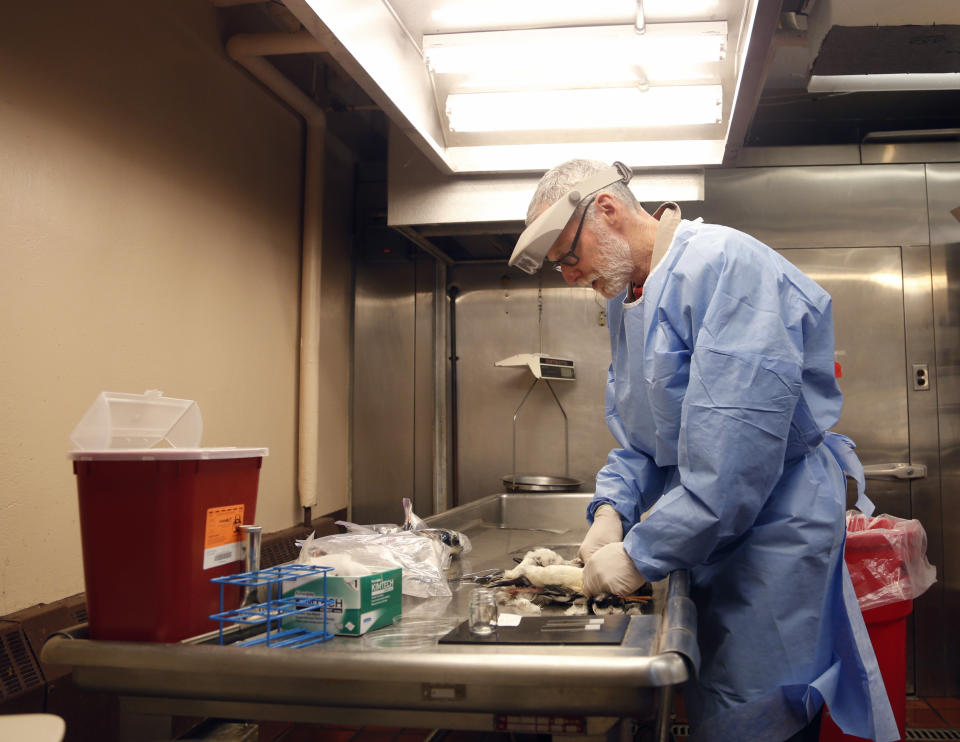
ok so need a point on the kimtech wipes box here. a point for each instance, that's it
(359, 603)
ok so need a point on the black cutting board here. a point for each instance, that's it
(547, 630)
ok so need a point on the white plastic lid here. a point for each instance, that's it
(138, 421)
(168, 454)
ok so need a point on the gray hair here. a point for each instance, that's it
(559, 181)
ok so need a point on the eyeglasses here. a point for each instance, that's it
(571, 258)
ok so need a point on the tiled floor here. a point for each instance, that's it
(922, 713)
(933, 713)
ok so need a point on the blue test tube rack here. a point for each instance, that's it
(276, 607)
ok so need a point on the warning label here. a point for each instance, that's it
(222, 541)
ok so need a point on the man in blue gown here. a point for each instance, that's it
(721, 392)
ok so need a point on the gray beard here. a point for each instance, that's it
(614, 262)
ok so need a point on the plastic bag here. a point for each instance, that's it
(887, 559)
(412, 521)
(422, 559)
(457, 541)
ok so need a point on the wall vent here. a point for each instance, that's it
(279, 548)
(681, 731)
(19, 671)
(80, 613)
(925, 734)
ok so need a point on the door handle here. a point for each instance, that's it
(895, 471)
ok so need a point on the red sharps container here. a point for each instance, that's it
(158, 523)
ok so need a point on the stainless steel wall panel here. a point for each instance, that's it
(441, 391)
(852, 206)
(383, 399)
(497, 317)
(943, 188)
(423, 393)
(897, 152)
(831, 154)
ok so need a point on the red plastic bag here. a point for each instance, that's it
(887, 559)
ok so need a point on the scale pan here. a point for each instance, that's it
(540, 483)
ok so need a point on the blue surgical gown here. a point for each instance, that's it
(720, 393)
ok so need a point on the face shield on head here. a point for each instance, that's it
(537, 239)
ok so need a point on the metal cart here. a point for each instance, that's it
(558, 689)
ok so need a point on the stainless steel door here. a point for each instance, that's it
(866, 284)
(873, 210)
(868, 287)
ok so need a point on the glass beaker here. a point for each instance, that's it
(483, 611)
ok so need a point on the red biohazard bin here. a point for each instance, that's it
(886, 557)
(887, 627)
(156, 525)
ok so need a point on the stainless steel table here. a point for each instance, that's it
(561, 689)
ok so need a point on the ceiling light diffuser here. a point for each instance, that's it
(593, 49)
(512, 14)
(900, 82)
(599, 108)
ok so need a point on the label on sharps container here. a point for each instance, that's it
(222, 540)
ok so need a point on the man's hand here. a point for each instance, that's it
(611, 570)
(606, 529)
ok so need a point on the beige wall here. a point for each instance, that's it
(149, 238)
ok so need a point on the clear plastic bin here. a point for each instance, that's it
(118, 420)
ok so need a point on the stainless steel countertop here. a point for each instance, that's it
(352, 672)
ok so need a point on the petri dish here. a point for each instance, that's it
(427, 626)
(410, 633)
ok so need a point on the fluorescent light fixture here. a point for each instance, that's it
(513, 14)
(597, 108)
(591, 52)
(900, 82)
